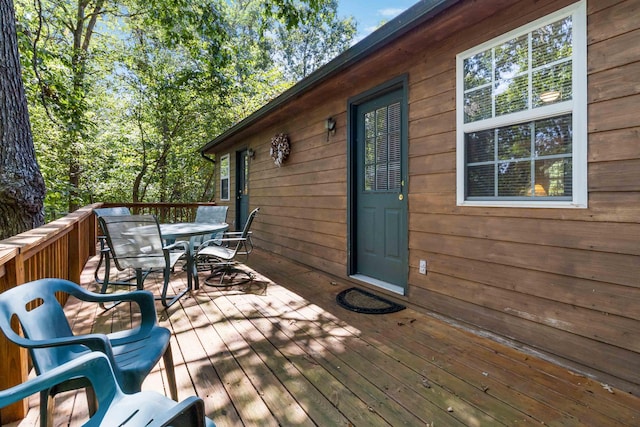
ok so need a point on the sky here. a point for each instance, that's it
(371, 13)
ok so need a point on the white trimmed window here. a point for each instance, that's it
(522, 116)
(224, 177)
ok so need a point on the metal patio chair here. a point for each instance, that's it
(208, 214)
(48, 336)
(222, 254)
(102, 238)
(135, 243)
(115, 408)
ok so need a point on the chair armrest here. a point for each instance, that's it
(235, 233)
(94, 366)
(94, 342)
(138, 296)
(217, 242)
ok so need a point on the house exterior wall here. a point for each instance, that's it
(565, 282)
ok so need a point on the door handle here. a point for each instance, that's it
(400, 197)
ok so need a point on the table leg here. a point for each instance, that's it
(191, 261)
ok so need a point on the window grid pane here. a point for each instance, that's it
(524, 73)
(224, 177)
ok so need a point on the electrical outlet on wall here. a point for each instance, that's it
(423, 266)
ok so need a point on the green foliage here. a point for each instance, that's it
(122, 99)
(310, 45)
(292, 12)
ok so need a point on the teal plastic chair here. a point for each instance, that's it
(47, 335)
(115, 408)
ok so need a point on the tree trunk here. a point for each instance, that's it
(22, 188)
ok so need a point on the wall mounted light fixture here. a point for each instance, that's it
(330, 125)
(250, 153)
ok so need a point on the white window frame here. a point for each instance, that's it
(225, 175)
(577, 107)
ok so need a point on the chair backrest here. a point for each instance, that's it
(209, 214)
(119, 210)
(135, 241)
(41, 317)
(247, 225)
(212, 214)
(245, 245)
(116, 211)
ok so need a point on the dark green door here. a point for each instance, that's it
(242, 188)
(381, 204)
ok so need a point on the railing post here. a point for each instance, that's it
(93, 235)
(74, 252)
(13, 359)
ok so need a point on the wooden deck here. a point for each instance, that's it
(280, 351)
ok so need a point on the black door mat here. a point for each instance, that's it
(361, 301)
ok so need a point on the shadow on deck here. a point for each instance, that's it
(280, 351)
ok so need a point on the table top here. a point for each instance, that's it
(187, 229)
(180, 229)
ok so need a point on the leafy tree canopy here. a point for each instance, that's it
(122, 93)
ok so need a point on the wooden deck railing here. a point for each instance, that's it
(166, 212)
(59, 249)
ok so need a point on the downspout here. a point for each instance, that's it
(207, 158)
(204, 156)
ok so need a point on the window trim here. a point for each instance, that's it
(577, 107)
(227, 177)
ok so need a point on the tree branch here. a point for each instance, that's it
(92, 23)
(34, 62)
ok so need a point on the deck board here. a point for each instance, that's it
(280, 351)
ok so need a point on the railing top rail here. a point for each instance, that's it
(158, 204)
(7, 253)
(23, 242)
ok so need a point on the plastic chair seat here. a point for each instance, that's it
(133, 358)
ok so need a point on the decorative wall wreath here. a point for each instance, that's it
(280, 148)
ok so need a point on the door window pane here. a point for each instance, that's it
(382, 149)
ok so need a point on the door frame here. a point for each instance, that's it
(399, 83)
(241, 154)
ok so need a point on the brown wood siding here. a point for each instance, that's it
(303, 203)
(561, 281)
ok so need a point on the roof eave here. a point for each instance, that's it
(417, 15)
